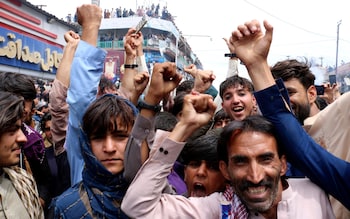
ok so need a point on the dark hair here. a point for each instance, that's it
(202, 147)
(221, 114)
(234, 81)
(19, 84)
(165, 121)
(104, 84)
(46, 117)
(178, 103)
(256, 123)
(11, 110)
(292, 68)
(102, 114)
(185, 86)
(321, 103)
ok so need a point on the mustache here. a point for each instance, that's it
(246, 184)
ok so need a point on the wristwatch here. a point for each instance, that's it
(143, 105)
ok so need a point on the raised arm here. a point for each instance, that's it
(203, 79)
(164, 80)
(329, 172)
(150, 203)
(87, 68)
(58, 94)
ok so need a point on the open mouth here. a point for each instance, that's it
(237, 109)
(198, 190)
(257, 193)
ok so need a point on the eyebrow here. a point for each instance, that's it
(243, 157)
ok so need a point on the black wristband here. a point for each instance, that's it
(231, 55)
(143, 105)
(131, 66)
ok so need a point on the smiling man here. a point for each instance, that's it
(250, 157)
(18, 192)
(237, 97)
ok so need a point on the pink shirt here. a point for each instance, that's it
(144, 198)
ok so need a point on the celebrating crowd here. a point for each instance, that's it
(160, 146)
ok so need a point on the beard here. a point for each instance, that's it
(301, 112)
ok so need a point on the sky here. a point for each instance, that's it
(302, 28)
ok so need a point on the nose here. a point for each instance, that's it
(21, 138)
(255, 173)
(202, 169)
(109, 146)
(235, 99)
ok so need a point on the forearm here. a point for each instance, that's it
(260, 74)
(138, 201)
(143, 129)
(232, 67)
(63, 72)
(87, 68)
(59, 110)
(90, 34)
(127, 83)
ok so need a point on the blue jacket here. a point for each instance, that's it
(327, 171)
(87, 68)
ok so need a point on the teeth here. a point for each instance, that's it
(256, 190)
(198, 185)
(237, 109)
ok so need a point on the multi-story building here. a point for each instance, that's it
(162, 42)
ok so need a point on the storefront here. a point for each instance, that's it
(31, 40)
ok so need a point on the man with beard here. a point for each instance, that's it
(328, 127)
(299, 82)
(249, 157)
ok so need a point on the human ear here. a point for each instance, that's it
(224, 169)
(284, 166)
(311, 93)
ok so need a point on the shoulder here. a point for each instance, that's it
(68, 198)
(305, 188)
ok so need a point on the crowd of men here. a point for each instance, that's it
(163, 147)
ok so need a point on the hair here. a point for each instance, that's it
(255, 123)
(321, 103)
(11, 110)
(292, 68)
(221, 114)
(46, 117)
(202, 147)
(102, 115)
(234, 81)
(178, 103)
(165, 121)
(104, 84)
(19, 84)
(185, 86)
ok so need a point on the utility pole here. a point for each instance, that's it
(336, 56)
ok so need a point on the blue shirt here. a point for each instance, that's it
(324, 169)
(87, 68)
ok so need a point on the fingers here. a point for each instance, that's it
(141, 77)
(69, 36)
(269, 30)
(200, 103)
